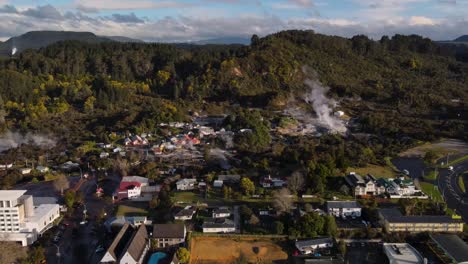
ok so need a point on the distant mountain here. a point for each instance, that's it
(463, 38)
(39, 39)
(224, 41)
(123, 39)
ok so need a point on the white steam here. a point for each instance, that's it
(13, 51)
(316, 97)
(221, 157)
(322, 106)
(10, 140)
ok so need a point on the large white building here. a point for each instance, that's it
(343, 208)
(20, 220)
(402, 253)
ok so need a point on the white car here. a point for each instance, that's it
(450, 168)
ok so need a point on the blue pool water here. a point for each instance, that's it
(156, 257)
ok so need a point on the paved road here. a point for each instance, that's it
(448, 186)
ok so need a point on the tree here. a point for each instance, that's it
(278, 227)
(247, 186)
(296, 182)
(61, 183)
(69, 198)
(330, 225)
(254, 220)
(282, 200)
(183, 255)
(12, 252)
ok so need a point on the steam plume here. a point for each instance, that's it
(10, 140)
(13, 51)
(221, 157)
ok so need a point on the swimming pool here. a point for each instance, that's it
(156, 257)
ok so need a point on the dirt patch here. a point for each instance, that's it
(228, 250)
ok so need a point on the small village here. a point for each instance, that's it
(176, 196)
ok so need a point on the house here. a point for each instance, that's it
(5, 166)
(311, 245)
(42, 169)
(402, 253)
(394, 221)
(129, 246)
(25, 171)
(186, 184)
(132, 220)
(218, 184)
(202, 185)
(268, 182)
(103, 155)
(363, 186)
(230, 178)
(221, 213)
(168, 235)
(218, 225)
(131, 187)
(400, 187)
(344, 208)
(185, 214)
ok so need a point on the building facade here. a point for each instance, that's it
(394, 221)
(168, 235)
(20, 220)
(344, 208)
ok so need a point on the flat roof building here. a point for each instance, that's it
(402, 253)
(21, 220)
(394, 221)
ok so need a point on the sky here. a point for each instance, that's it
(193, 20)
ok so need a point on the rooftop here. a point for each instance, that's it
(402, 253)
(41, 211)
(343, 204)
(135, 179)
(169, 231)
(393, 215)
(453, 246)
(6, 195)
(218, 223)
(312, 242)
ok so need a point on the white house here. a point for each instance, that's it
(218, 184)
(104, 155)
(221, 213)
(268, 182)
(344, 208)
(6, 166)
(185, 214)
(25, 171)
(129, 246)
(310, 246)
(219, 225)
(42, 169)
(186, 184)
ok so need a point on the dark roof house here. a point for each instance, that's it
(129, 246)
(169, 231)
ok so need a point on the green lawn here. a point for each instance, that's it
(461, 181)
(376, 170)
(432, 176)
(431, 190)
(453, 162)
(125, 210)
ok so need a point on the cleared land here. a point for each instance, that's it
(215, 250)
(431, 190)
(441, 149)
(125, 210)
(376, 170)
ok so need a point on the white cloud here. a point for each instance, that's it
(420, 20)
(91, 6)
(194, 25)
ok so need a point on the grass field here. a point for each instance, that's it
(216, 250)
(431, 191)
(440, 149)
(432, 176)
(376, 170)
(125, 210)
(461, 181)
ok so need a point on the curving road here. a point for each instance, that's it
(447, 183)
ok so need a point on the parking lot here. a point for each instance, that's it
(357, 253)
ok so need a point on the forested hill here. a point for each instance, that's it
(40, 39)
(404, 86)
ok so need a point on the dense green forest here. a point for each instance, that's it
(397, 88)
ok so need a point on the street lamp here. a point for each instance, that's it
(58, 252)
